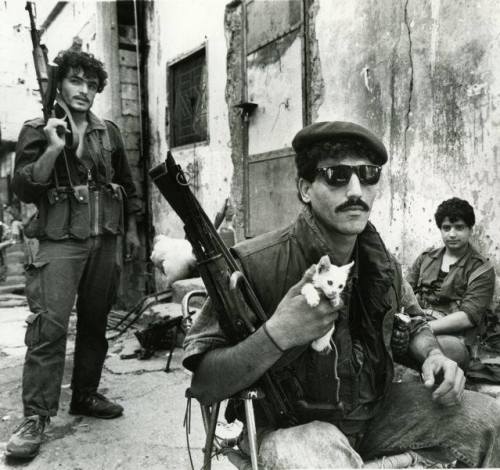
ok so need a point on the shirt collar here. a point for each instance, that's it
(470, 252)
(95, 123)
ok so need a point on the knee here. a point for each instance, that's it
(312, 445)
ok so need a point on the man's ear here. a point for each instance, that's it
(304, 186)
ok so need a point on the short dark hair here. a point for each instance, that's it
(455, 209)
(306, 160)
(92, 67)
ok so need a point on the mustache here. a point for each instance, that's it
(82, 98)
(357, 203)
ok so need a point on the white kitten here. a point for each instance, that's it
(330, 280)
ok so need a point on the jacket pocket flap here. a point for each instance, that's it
(54, 196)
(30, 319)
(36, 265)
(81, 194)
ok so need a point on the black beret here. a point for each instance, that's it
(339, 131)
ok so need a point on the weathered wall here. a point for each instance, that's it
(420, 73)
(175, 28)
(17, 75)
(424, 76)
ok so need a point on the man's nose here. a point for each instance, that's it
(84, 87)
(354, 187)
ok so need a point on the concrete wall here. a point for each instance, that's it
(18, 100)
(176, 27)
(424, 76)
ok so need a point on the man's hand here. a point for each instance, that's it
(295, 323)
(55, 131)
(450, 391)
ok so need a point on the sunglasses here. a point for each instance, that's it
(340, 175)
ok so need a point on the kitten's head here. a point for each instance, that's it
(331, 279)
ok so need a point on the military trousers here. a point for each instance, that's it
(408, 420)
(62, 271)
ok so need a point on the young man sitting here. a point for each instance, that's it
(454, 284)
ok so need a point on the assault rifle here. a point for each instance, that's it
(46, 75)
(239, 310)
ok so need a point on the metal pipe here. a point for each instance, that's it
(252, 432)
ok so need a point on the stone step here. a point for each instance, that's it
(12, 288)
(15, 269)
(14, 279)
(14, 258)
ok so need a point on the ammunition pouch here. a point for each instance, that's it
(78, 212)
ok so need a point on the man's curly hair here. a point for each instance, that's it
(307, 159)
(92, 67)
(455, 209)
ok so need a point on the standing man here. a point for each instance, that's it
(339, 165)
(454, 284)
(85, 199)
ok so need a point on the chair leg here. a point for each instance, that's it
(252, 432)
(209, 441)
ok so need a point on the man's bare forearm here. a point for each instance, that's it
(42, 168)
(223, 372)
(422, 344)
(453, 323)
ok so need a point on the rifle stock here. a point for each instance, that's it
(238, 308)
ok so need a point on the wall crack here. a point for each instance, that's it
(410, 96)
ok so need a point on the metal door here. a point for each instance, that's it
(275, 77)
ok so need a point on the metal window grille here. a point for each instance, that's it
(189, 100)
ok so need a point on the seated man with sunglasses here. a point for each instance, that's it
(346, 408)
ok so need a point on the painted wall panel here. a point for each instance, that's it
(275, 84)
(272, 193)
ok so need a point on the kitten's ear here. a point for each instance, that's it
(324, 264)
(349, 266)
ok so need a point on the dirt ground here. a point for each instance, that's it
(150, 434)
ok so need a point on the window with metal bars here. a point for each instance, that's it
(188, 99)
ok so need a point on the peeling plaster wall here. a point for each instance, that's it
(424, 75)
(176, 27)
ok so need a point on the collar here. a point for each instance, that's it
(95, 123)
(461, 262)
(309, 236)
(369, 250)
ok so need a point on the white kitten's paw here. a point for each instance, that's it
(336, 301)
(322, 345)
(321, 349)
(311, 295)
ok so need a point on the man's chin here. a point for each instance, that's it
(353, 227)
(79, 107)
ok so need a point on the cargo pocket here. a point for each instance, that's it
(54, 217)
(34, 295)
(32, 228)
(32, 336)
(80, 212)
(42, 330)
(112, 207)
